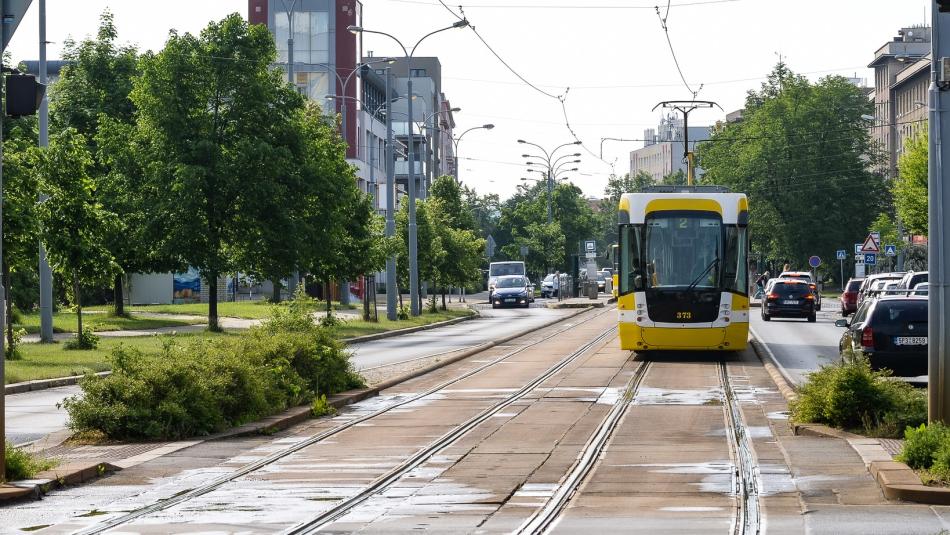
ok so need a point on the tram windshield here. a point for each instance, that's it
(682, 251)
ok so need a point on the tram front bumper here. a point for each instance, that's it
(733, 337)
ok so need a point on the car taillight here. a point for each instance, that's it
(810, 297)
(773, 296)
(867, 338)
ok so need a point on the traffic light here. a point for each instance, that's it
(24, 95)
(943, 6)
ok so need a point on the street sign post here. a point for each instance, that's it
(870, 245)
(841, 254)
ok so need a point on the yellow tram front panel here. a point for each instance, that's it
(667, 237)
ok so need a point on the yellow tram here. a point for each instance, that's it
(683, 269)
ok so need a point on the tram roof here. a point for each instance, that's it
(733, 207)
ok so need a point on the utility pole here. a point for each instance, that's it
(685, 107)
(290, 40)
(46, 274)
(938, 317)
(391, 290)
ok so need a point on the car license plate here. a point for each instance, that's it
(790, 302)
(510, 300)
(910, 340)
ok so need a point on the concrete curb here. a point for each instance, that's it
(43, 384)
(783, 383)
(44, 482)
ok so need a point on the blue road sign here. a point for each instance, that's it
(890, 250)
(842, 254)
(814, 261)
(870, 259)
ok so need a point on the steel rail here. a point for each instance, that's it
(543, 519)
(166, 503)
(748, 514)
(392, 476)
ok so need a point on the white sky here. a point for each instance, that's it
(615, 60)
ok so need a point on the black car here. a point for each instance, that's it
(512, 291)
(789, 298)
(891, 332)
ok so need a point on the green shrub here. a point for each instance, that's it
(209, 385)
(12, 350)
(83, 340)
(922, 443)
(320, 407)
(403, 313)
(22, 465)
(851, 395)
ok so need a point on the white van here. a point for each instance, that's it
(502, 269)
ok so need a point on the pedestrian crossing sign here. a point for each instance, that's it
(890, 250)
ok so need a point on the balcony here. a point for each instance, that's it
(402, 167)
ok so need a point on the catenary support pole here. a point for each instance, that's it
(413, 251)
(938, 222)
(391, 289)
(3, 308)
(46, 274)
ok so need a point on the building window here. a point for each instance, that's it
(311, 36)
(417, 73)
(312, 85)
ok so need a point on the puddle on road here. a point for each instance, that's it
(691, 509)
(664, 396)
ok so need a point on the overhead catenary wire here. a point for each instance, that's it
(666, 32)
(565, 6)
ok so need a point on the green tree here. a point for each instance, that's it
(20, 224)
(212, 122)
(545, 244)
(75, 224)
(910, 185)
(677, 178)
(91, 96)
(617, 186)
(884, 223)
(455, 226)
(803, 155)
(430, 253)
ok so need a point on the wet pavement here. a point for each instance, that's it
(667, 467)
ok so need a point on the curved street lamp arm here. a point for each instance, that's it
(558, 160)
(547, 156)
(558, 168)
(460, 24)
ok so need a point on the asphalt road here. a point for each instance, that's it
(492, 324)
(31, 416)
(800, 347)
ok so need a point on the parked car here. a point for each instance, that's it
(789, 298)
(891, 331)
(849, 297)
(602, 281)
(805, 276)
(549, 289)
(922, 288)
(912, 279)
(512, 290)
(869, 281)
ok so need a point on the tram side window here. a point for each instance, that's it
(631, 259)
(735, 269)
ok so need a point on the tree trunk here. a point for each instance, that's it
(400, 300)
(366, 288)
(328, 287)
(9, 308)
(213, 303)
(443, 299)
(77, 297)
(119, 307)
(275, 296)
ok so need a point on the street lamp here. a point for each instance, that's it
(343, 85)
(413, 248)
(458, 140)
(547, 159)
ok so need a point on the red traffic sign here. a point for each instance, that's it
(870, 245)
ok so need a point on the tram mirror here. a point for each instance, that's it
(638, 282)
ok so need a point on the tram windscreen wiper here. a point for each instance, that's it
(693, 284)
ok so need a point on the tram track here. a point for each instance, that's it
(747, 520)
(748, 514)
(543, 519)
(185, 496)
(383, 482)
